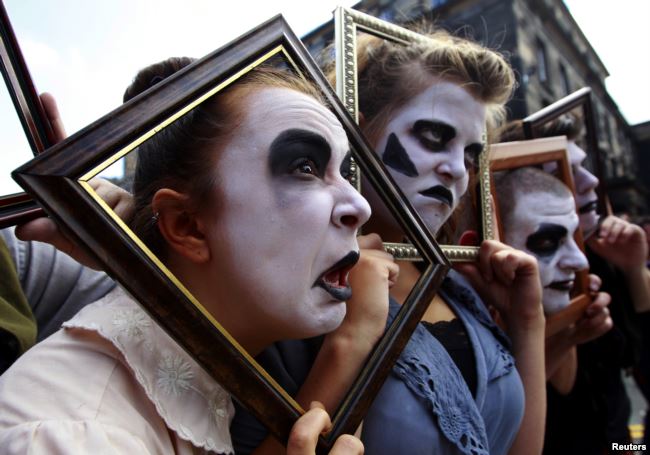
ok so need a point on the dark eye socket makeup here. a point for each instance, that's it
(472, 153)
(546, 240)
(435, 135)
(346, 166)
(432, 134)
(297, 151)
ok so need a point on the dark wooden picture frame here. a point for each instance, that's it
(19, 208)
(513, 155)
(534, 123)
(346, 24)
(59, 180)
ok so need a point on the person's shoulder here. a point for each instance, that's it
(461, 295)
(77, 383)
(64, 376)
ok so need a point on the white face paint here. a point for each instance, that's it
(285, 216)
(427, 146)
(543, 225)
(585, 183)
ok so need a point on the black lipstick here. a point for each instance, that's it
(335, 279)
(564, 286)
(440, 193)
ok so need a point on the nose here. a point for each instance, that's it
(351, 210)
(572, 257)
(451, 164)
(585, 181)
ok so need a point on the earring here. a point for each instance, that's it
(154, 218)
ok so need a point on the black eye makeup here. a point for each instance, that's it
(297, 151)
(433, 135)
(346, 167)
(546, 240)
(395, 157)
(472, 153)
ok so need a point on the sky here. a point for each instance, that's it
(86, 52)
(620, 35)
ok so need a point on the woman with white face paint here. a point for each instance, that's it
(115, 381)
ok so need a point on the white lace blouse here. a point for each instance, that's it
(112, 381)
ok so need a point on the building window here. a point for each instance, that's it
(566, 86)
(542, 63)
(600, 123)
(608, 131)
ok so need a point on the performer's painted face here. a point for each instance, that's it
(428, 145)
(286, 217)
(543, 224)
(585, 183)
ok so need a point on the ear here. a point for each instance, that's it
(183, 230)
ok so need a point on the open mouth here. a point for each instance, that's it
(588, 207)
(564, 286)
(335, 279)
(440, 193)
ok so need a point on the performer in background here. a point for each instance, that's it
(538, 216)
(595, 413)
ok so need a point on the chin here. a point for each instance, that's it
(322, 321)
(433, 219)
(555, 304)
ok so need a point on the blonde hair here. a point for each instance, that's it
(390, 74)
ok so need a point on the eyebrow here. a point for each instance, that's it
(445, 130)
(296, 143)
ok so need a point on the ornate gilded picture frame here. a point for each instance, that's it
(347, 23)
(580, 100)
(20, 207)
(60, 178)
(536, 153)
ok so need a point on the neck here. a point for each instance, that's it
(200, 283)
(438, 309)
